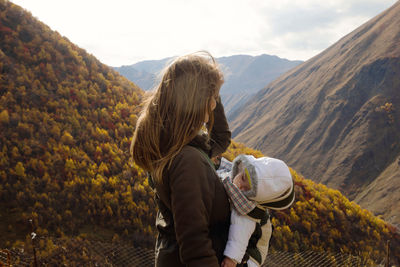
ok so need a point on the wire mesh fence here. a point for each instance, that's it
(77, 252)
(312, 258)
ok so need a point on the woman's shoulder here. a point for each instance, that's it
(190, 171)
(191, 160)
(190, 155)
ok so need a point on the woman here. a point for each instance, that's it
(172, 143)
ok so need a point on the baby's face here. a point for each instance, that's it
(241, 181)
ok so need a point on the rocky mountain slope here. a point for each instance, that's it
(336, 117)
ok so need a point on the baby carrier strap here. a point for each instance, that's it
(259, 213)
(212, 165)
(150, 179)
(252, 250)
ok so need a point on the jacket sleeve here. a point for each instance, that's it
(192, 194)
(220, 134)
(240, 232)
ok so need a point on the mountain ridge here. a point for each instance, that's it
(314, 115)
(244, 75)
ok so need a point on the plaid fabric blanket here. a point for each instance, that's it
(239, 201)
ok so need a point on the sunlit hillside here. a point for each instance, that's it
(65, 127)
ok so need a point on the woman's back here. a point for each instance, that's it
(196, 212)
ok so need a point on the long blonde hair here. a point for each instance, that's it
(174, 114)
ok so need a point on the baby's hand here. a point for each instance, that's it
(228, 262)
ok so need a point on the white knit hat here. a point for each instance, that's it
(269, 178)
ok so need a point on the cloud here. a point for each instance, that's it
(301, 29)
(123, 32)
(300, 19)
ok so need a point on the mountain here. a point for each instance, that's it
(66, 121)
(244, 75)
(144, 73)
(143, 79)
(249, 74)
(336, 117)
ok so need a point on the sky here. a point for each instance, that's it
(123, 32)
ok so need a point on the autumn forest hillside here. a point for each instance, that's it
(66, 121)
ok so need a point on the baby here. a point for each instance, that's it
(257, 184)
